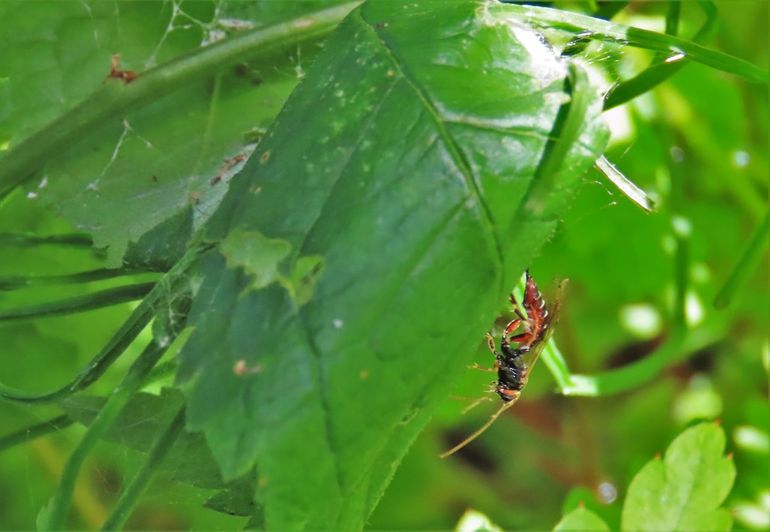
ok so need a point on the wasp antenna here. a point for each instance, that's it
(474, 404)
(485, 426)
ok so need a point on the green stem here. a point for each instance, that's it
(19, 281)
(115, 97)
(165, 289)
(130, 495)
(681, 271)
(746, 264)
(75, 240)
(54, 517)
(103, 298)
(98, 365)
(557, 365)
(35, 431)
(601, 29)
(629, 376)
(677, 348)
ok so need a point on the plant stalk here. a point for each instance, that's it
(130, 495)
(55, 515)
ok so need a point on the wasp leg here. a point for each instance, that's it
(512, 326)
(482, 368)
(474, 404)
(525, 338)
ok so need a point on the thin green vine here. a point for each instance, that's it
(54, 516)
(94, 300)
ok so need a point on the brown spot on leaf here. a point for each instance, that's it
(241, 368)
(126, 76)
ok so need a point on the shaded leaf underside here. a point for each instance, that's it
(139, 169)
(401, 161)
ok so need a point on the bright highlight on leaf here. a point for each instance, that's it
(627, 187)
(475, 521)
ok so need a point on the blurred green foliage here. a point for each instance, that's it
(698, 144)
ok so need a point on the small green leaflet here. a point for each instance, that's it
(684, 490)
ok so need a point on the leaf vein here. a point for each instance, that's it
(452, 146)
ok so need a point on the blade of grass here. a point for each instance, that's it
(681, 231)
(664, 66)
(115, 97)
(627, 187)
(601, 29)
(165, 290)
(746, 264)
(557, 365)
(19, 281)
(651, 77)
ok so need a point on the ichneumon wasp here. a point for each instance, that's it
(522, 341)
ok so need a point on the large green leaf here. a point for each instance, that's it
(392, 204)
(131, 171)
(685, 490)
